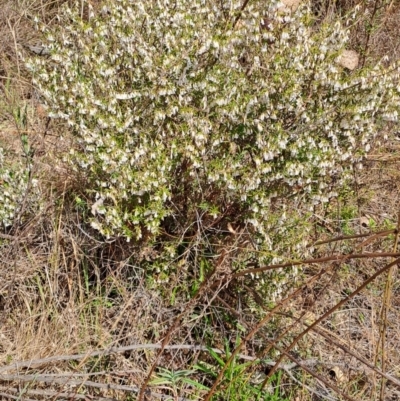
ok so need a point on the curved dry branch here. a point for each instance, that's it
(333, 258)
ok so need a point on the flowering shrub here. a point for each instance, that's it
(13, 187)
(187, 107)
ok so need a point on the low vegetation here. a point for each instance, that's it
(199, 200)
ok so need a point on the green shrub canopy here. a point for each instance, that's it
(179, 104)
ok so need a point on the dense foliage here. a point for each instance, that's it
(198, 107)
(14, 182)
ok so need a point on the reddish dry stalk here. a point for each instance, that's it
(244, 5)
(373, 235)
(318, 260)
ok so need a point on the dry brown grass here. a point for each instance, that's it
(69, 296)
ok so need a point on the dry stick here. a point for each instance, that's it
(387, 160)
(202, 290)
(333, 309)
(244, 5)
(39, 377)
(318, 260)
(73, 382)
(373, 235)
(368, 35)
(49, 393)
(120, 350)
(13, 397)
(6, 236)
(12, 30)
(36, 363)
(385, 309)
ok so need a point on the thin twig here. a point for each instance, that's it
(49, 393)
(13, 397)
(346, 237)
(332, 258)
(244, 5)
(85, 383)
(6, 236)
(35, 363)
